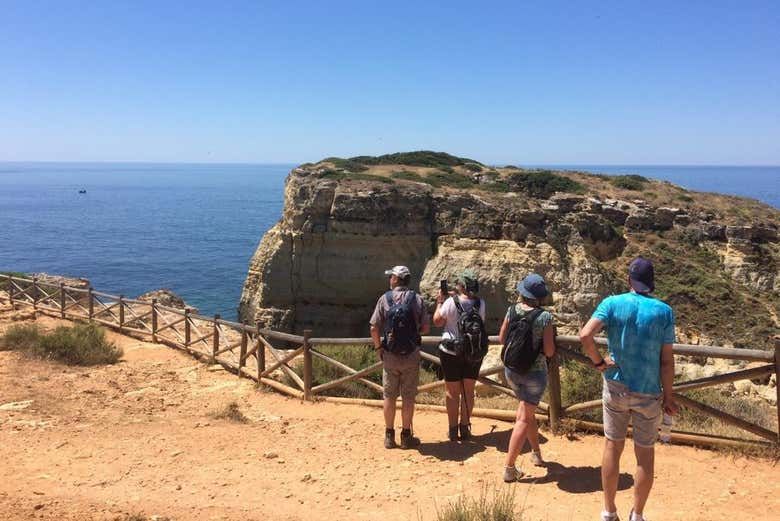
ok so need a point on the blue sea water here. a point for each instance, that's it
(194, 227)
(189, 227)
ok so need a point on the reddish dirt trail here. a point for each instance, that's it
(136, 437)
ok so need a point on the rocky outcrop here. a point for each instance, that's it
(321, 265)
(166, 297)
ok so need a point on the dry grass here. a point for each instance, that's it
(230, 412)
(498, 505)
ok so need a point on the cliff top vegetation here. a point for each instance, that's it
(443, 171)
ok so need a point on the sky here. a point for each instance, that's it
(628, 82)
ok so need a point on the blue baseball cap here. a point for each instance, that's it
(533, 287)
(641, 275)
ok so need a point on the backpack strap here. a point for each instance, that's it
(512, 312)
(458, 306)
(533, 315)
(389, 298)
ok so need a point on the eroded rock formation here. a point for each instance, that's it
(320, 266)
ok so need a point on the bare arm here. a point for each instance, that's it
(667, 378)
(425, 327)
(549, 341)
(502, 333)
(587, 334)
(438, 319)
(375, 337)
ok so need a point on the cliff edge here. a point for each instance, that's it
(346, 220)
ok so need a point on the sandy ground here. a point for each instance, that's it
(137, 438)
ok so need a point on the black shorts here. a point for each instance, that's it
(457, 368)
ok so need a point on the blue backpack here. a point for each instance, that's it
(401, 332)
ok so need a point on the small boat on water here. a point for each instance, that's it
(82, 191)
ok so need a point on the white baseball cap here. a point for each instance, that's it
(399, 271)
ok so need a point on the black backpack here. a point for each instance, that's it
(472, 338)
(401, 335)
(519, 352)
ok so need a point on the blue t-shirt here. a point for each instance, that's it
(637, 326)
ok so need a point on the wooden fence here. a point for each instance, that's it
(284, 361)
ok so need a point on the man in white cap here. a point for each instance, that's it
(398, 320)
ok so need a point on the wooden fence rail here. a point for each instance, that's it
(292, 368)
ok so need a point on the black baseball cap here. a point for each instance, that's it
(641, 275)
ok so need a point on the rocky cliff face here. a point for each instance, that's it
(321, 266)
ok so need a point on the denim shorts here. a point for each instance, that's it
(621, 405)
(528, 387)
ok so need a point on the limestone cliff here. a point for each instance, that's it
(345, 221)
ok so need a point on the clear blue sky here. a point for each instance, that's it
(623, 82)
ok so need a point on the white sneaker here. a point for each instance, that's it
(609, 516)
(636, 517)
(536, 459)
(512, 474)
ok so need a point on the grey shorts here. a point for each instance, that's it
(528, 387)
(400, 375)
(621, 405)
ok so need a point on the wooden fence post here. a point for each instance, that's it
(11, 291)
(242, 353)
(307, 365)
(215, 345)
(121, 312)
(187, 332)
(91, 304)
(260, 353)
(777, 383)
(554, 384)
(62, 300)
(154, 320)
(35, 293)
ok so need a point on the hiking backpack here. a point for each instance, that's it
(402, 334)
(520, 351)
(472, 337)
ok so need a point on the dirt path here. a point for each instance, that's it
(101, 443)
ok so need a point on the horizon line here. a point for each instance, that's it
(286, 163)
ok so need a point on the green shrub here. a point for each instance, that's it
(684, 197)
(438, 178)
(629, 182)
(473, 167)
(542, 183)
(351, 176)
(346, 164)
(451, 179)
(419, 158)
(407, 176)
(580, 383)
(496, 186)
(82, 344)
(4, 281)
(497, 506)
(355, 356)
(20, 337)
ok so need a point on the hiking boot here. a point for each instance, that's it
(536, 459)
(390, 439)
(465, 432)
(407, 440)
(512, 474)
(453, 434)
(606, 516)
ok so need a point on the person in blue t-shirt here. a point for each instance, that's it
(638, 377)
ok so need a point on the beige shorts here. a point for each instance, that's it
(400, 375)
(621, 405)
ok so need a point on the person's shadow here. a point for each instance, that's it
(577, 480)
(461, 451)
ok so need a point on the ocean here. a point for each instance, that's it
(193, 228)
